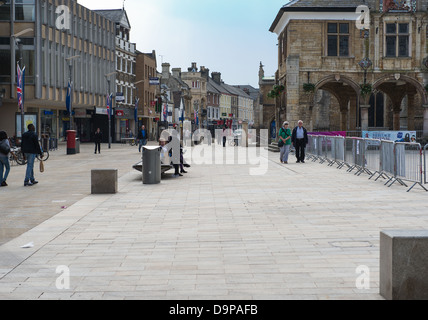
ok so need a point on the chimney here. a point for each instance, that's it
(216, 77)
(205, 73)
(193, 68)
(176, 73)
(165, 70)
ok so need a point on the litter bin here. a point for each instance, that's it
(77, 145)
(71, 142)
(151, 165)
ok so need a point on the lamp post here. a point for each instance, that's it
(70, 67)
(110, 108)
(18, 42)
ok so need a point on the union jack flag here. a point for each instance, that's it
(136, 109)
(20, 87)
(165, 112)
(108, 103)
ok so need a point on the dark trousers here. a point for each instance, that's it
(224, 142)
(300, 149)
(98, 147)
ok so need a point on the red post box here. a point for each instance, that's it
(71, 142)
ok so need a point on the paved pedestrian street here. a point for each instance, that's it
(223, 231)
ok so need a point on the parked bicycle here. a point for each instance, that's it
(17, 156)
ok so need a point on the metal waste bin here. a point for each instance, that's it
(152, 173)
(77, 145)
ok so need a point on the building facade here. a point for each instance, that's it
(147, 88)
(123, 81)
(58, 41)
(352, 70)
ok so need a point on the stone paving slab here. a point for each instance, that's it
(219, 233)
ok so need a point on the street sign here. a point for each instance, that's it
(120, 97)
(154, 81)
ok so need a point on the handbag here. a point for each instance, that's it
(42, 167)
(4, 148)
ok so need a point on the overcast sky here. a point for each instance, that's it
(227, 36)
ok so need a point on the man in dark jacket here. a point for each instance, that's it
(30, 147)
(300, 140)
(98, 138)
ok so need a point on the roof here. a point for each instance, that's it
(319, 6)
(236, 91)
(116, 15)
(252, 92)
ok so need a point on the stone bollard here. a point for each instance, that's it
(404, 265)
(104, 181)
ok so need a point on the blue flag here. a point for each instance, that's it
(68, 98)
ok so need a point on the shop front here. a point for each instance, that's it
(125, 123)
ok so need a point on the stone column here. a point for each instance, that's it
(364, 117)
(353, 114)
(344, 119)
(396, 120)
(425, 106)
(411, 112)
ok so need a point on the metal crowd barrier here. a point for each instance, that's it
(409, 164)
(425, 164)
(372, 151)
(394, 161)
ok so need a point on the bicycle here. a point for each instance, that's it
(17, 156)
(45, 156)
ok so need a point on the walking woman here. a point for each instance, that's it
(4, 158)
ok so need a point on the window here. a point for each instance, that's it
(397, 40)
(5, 67)
(338, 39)
(5, 11)
(25, 10)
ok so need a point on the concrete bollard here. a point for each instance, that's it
(104, 181)
(404, 265)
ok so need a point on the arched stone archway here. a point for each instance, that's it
(397, 87)
(346, 92)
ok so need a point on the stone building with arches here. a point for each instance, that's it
(353, 65)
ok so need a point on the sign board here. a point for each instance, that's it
(103, 111)
(120, 113)
(120, 97)
(154, 81)
(396, 136)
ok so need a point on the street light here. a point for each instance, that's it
(18, 42)
(70, 66)
(110, 107)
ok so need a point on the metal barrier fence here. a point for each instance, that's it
(425, 164)
(394, 161)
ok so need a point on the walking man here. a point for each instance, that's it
(30, 148)
(142, 137)
(300, 140)
(98, 138)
